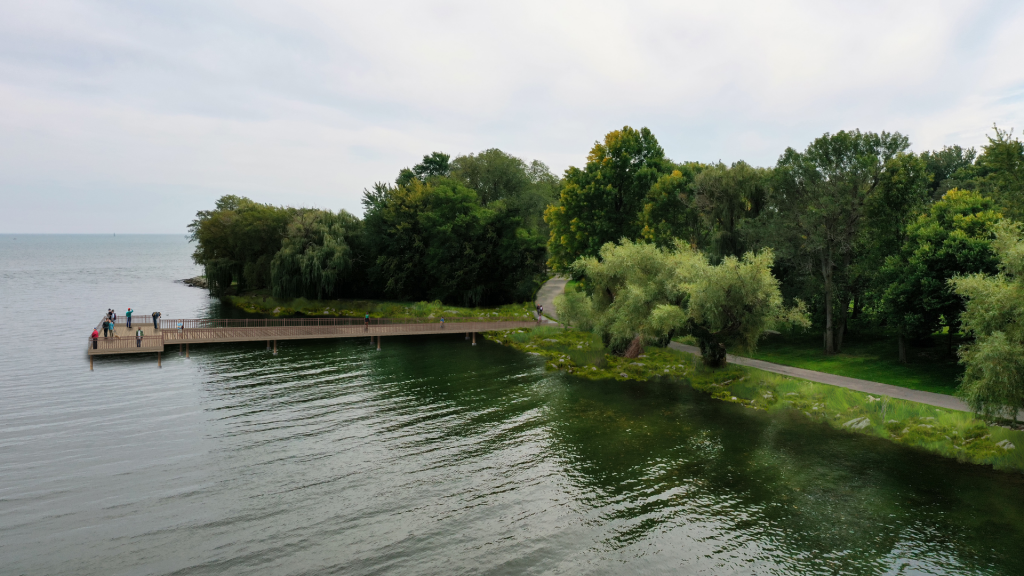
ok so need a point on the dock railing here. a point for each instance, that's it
(306, 322)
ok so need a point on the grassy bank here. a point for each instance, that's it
(261, 302)
(941, 431)
(867, 356)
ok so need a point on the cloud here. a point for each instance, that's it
(160, 107)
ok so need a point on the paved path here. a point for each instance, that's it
(546, 295)
(930, 398)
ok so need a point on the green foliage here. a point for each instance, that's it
(819, 202)
(726, 197)
(993, 382)
(524, 190)
(1001, 170)
(953, 238)
(603, 202)
(668, 211)
(236, 241)
(435, 241)
(315, 259)
(951, 167)
(640, 291)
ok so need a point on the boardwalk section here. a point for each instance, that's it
(158, 334)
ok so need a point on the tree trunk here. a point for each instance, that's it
(858, 304)
(949, 340)
(635, 349)
(903, 350)
(844, 313)
(826, 275)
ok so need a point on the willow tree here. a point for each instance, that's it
(315, 258)
(639, 294)
(993, 382)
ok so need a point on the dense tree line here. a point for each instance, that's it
(859, 226)
(468, 231)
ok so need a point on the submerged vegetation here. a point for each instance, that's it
(949, 433)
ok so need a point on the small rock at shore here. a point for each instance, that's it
(857, 424)
(1005, 445)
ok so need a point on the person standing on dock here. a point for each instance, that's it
(95, 338)
(442, 322)
(128, 318)
(138, 338)
(366, 322)
(156, 320)
(106, 327)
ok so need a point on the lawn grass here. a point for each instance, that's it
(942, 431)
(868, 356)
(262, 302)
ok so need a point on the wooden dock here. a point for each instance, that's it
(188, 331)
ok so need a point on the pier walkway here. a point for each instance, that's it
(187, 331)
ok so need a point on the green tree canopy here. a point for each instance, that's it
(603, 202)
(639, 293)
(316, 259)
(236, 241)
(1001, 170)
(669, 213)
(818, 206)
(953, 238)
(726, 197)
(434, 241)
(993, 382)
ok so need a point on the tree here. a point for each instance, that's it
(993, 381)
(433, 164)
(726, 197)
(316, 259)
(434, 241)
(951, 167)
(641, 294)
(953, 238)
(236, 241)
(668, 212)
(603, 201)
(1001, 169)
(817, 210)
(524, 189)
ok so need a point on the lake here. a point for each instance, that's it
(429, 457)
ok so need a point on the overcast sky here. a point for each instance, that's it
(131, 116)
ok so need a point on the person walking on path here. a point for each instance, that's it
(156, 320)
(138, 338)
(95, 338)
(128, 318)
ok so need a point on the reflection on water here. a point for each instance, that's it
(434, 456)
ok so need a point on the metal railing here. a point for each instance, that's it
(196, 330)
(210, 323)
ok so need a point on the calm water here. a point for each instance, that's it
(430, 457)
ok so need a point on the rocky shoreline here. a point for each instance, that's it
(197, 282)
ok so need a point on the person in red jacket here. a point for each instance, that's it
(95, 337)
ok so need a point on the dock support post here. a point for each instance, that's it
(158, 363)
(179, 349)
(275, 347)
(474, 338)
(378, 343)
(268, 345)
(90, 363)
(186, 350)
(467, 335)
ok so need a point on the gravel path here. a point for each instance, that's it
(546, 295)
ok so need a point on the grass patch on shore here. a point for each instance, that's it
(949, 433)
(261, 302)
(868, 356)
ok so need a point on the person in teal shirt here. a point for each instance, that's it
(128, 318)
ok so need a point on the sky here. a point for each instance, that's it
(129, 117)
